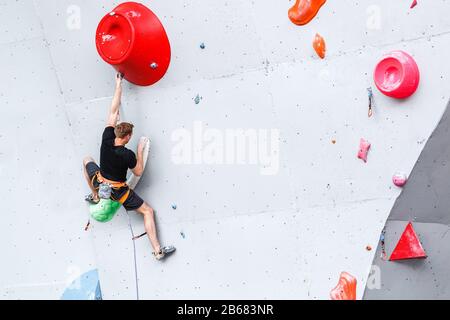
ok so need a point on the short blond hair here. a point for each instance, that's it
(123, 129)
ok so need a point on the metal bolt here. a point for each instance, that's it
(154, 65)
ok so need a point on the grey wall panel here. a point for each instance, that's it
(329, 173)
(412, 279)
(44, 244)
(273, 255)
(347, 26)
(425, 197)
(69, 28)
(19, 21)
(424, 201)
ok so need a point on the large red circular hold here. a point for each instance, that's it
(132, 39)
(397, 75)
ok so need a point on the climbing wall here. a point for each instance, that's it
(44, 247)
(280, 222)
(424, 202)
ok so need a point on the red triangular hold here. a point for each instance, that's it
(409, 246)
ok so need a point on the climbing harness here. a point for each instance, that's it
(371, 104)
(113, 185)
(383, 255)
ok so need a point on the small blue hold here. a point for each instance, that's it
(197, 99)
(202, 46)
(174, 207)
(183, 235)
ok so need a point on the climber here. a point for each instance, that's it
(109, 180)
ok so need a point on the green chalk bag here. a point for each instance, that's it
(105, 210)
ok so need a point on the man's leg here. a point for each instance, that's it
(150, 225)
(88, 179)
(135, 203)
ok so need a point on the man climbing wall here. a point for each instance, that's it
(109, 180)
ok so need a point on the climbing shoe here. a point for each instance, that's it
(90, 198)
(164, 252)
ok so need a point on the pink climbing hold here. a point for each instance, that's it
(399, 179)
(413, 4)
(364, 147)
(397, 75)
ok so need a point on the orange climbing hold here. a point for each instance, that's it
(319, 46)
(304, 11)
(345, 289)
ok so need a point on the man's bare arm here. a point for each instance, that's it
(139, 169)
(113, 117)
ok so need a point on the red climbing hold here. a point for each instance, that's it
(345, 289)
(303, 11)
(409, 246)
(397, 75)
(132, 39)
(413, 4)
(319, 46)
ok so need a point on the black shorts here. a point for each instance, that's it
(133, 202)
